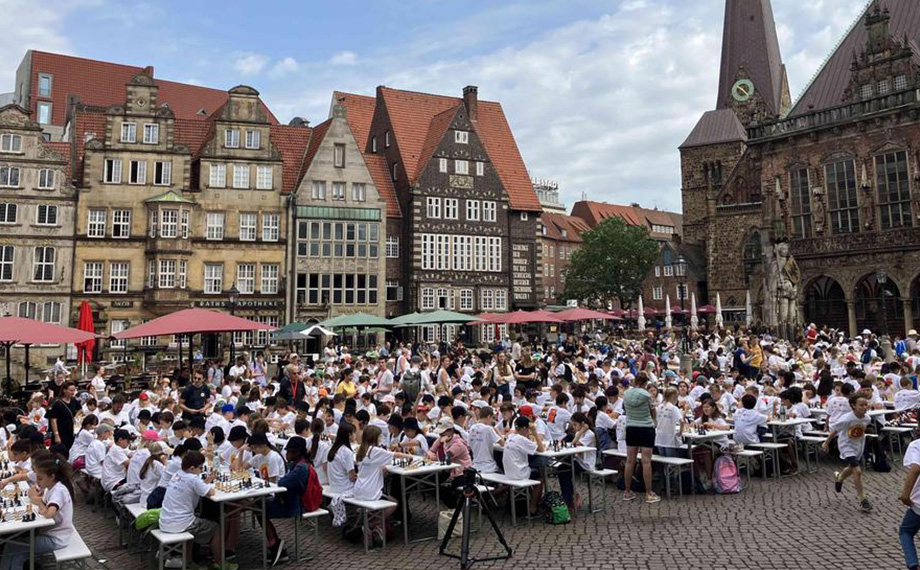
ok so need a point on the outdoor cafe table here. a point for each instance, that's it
(17, 532)
(419, 478)
(244, 500)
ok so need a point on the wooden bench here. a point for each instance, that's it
(311, 520)
(518, 488)
(369, 511)
(74, 555)
(170, 543)
(672, 466)
(771, 452)
(595, 477)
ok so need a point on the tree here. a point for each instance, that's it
(611, 263)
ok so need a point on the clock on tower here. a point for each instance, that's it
(743, 90)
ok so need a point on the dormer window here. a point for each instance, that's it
(374, 144)
(232, 138)
(151, 134)
(253, 139)
(10, 143)
(128, 132)
(395, 164)
(461, 137)
(565, 233)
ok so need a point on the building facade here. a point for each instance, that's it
(560, 236)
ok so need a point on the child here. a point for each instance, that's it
(906, 397)
(236, 454)
(748, 420)
(152, 469)
(670, 424)
(850, 431)
(371, 465)
(35, 413)
(519, 446)
(95, 453)
(483, 437)
(82, 441)
(115, 464)
(20, 453)
(341, 461)
(179, 433)
(585, 461)
(412, 441)
(318, 451)
(266, 460)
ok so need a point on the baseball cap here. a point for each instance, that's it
(150, 435)
(227, 408)
(144, 396)
(526, 411)
(444, 425)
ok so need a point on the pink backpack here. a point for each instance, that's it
(725, 477)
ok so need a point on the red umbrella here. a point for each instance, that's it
(618, 313)
(85, 323)
(520, 317)
(488, 317)
(583, 315)
(192, 321)
(706, 309)
(18, 330)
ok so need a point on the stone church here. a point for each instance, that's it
(835, 174)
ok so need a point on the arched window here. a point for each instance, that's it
(752, 254)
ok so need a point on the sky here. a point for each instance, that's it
(599, 94)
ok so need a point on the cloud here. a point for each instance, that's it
(250, 63)
(284, 67)
(42, 27)
(344, 58)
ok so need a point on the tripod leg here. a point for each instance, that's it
(450, 527)
(498, 532)
(465, 537)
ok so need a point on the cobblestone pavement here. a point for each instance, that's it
(794, 523)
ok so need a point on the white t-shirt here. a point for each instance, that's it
(59, 496)
(135, 465)
(556, 420)
(173, 466)
(113, 470)
(369, 485)
(587, 459)
(338, 469)
(269, 466)
(482, 442)
(95, 454)
(668, 422)
(98, 384)
(230, 453)
(421, 449)
(80, 444)
(183, 493)
(837, 407)
(515, 459)
(907, 398)
(912, 457)
(746, 422)
(319, 460)
(851, 434)
(150, 480)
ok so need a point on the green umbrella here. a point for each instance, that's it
(441, 318)
(289, 332)
(405, 319)
(358, 320)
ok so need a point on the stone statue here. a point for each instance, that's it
(867, 202)
(782, 283)
(817, 210)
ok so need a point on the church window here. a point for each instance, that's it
(893, 185)
(801, 203)
(841, 193)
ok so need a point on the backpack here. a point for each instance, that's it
(313, 495)
(725, 478)
(555, 511)
(148, 518)
(866, 356)
(411, 383)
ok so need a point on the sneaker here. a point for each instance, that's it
(653, 498)
(838, 482)
(274, 553)
(227, 566)
(628, 495)
(864, 504)
(284, 557)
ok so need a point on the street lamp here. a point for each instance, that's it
(680, 269)
(882, 277)
(233, 297)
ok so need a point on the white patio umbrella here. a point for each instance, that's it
(667, 311)
(719, 320)
(748, 311)
(694, 320)
(641, 319)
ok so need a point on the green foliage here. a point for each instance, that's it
(611, 263)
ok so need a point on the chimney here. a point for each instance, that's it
(471, 101)
(148, 71)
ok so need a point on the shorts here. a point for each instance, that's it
(638, 436)
(203, 530)
(852, 461)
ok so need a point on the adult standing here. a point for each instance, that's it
(194, 399)
(640, 435)
(61, 415)
(292, 388)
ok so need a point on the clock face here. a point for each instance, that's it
(743, 90)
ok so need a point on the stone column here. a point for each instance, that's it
(851, 317)
(908, 315)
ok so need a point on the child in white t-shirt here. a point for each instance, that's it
(519, 446)
(117, 459)
(850, 431)
(906, 397)
(747, 420)
(670, 424)
(266, 462)
(372, 462)
(910, 496)
(341, 461)
(95, 453)
(483, 437)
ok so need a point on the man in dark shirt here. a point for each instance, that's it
(61, 415)
(195, 398)
(292, 387)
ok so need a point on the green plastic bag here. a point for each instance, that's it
(559, 514)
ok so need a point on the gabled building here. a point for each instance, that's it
(560, 236)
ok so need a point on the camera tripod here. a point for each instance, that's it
(470, 491)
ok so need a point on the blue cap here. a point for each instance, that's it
(227, 408)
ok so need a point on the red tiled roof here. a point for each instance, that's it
(292, 143)
(377, 166)
(360, 114)
(555, 223)
(594, 213)
(319, 133)
(193, 134)
(439, 125)
(103, 83)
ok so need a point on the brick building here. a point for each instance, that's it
(834, 174)
(559, 238)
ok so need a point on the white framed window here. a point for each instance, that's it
(253, 138)
(8, 213)
(338, 156)
(28, 310)
(374, 144)
(481, 253)
(151, 273)
(681, 292)
(246, 278)
(319, 189)
(213, 278)
(44, 84)
(128, 132)
(501, 300)
(524, 218)
(169, 224)
(183, 225)
(43, 264)
(247, 227)
(7, 257)
(463, 253)
(264, 177)
(472, 210)
(338, 190)
(392, 246)
(44, 113)
(112, 174)
(442, 164)
(232, 138)
(487, 299)
(480, 168)
(270, 227)
(214, 225)
(488, 211)
(11, 143)
(162, 172)
(657, 293)
(428, 254)
(865, 91)
(217, 175)
(46, 215)
(183, 273)
(167, 274)
(669, 271)
(116, 326)
(451, 208)
(495, 254)
(9, 176)
(461, 167)
(442, 243)
(466, 299)
(883, 86)
(394, 291)
(51, 312)
(138, 172)
(393, 173)
(92, 277)
(657, 271)
(45, 178)
(358, 191)
(269, 275)
(427, 298)
(118, 276)
(95, 227)
(461, 137)
(433, 207)
(386, 139)
(900, 82)
(151, 133)
(241, 176)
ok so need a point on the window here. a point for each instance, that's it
(116, 326)
(800, 191)
(442, 165)
(394, 291)
(461, 137)
(463, 253)
(246, 278)
(501, 299)
(657, 271)
(47, 215)
(213, 278)
(9, 176)
(151, 273)
(247, 227)
(138, 173)
(44, 85)
(841, 194)
(461, 167)
(668, 270)
(269, 278)
(44, 113)
(386, 139)
(480, 168)
(51, 312)
(358, 192)
(253, 138)
(8, 213)
(488, 211)
(7, 253)
(10, 143)
(524, 219)
(162, 173)
(45, 178)
(428, 259)
(218, 176)
(264, 177)
(900, 82)
(112, 173)
(118, 276)
(167, 274)
(433, 207)
(128, 132)
(883, 86)
(338, 190)
(169, 223)
(270, 227)
(151, 133)
(427, 298)
(95, 227)
(466, 299)
(374, 144)
(392, 245)
(893, 185)
(214, 225)
(395, 164)
(481, 253)
(450, 208)
(232, 138)
(681, 292)
(121, 224)
(472, 210)
(43, 264)
(487, 299)
(660, 229)
(338, 156)
(442, 243)
(865, 91)
(241, 176)
(319, 190)
(28, 310)
(657, 293)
